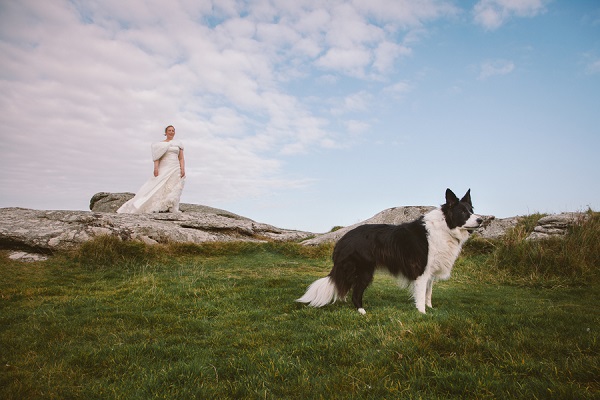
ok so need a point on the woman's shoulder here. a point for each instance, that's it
(159, 149)
(166, 144)
(160, 145)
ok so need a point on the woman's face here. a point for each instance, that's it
(170, 133)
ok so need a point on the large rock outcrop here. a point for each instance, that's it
(47, 231)
(30, 233)
(395, 215)
(491, 228)
(110, 203)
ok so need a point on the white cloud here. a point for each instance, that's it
(353, 103)
(352, 61)
(398, 89)
(386, 54)
(348, 29)
(406, 14)
(593, 67)
(355, 127)
(494, 68)
(491, 14)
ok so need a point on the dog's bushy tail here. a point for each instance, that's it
(321, 292)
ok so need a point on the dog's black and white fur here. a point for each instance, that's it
(416, 253)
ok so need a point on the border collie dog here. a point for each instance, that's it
(416, 253)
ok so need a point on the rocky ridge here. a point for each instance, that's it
(32, 234)
(492, 228)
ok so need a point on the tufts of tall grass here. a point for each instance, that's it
(105, 252)
(219, 249)
(573, 258)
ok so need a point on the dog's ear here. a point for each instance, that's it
(451, 198)
(467, 198)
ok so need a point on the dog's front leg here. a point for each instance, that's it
(428, 295)
(420, 292)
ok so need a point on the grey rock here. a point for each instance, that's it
(41, 231)
(27, 257)
(110, 202)
(32, 233)
(491, 228)
(395, 215)
(556, 225)
(495, 228)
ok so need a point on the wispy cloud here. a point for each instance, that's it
(356, 127)
(398, 89)
(355, 102)
(593, 67)
(492, 68)
(491, 14)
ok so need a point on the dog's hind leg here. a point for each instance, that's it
(363, 280)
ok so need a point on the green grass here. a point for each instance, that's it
(129, 321)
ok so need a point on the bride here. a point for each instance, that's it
(162, 192)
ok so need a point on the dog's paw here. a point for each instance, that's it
(362, 311)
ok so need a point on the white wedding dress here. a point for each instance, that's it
(160, 193)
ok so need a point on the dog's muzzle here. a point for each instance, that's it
(478, 221)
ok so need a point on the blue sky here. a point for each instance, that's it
(304, 114)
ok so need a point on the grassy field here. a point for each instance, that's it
(129, 321)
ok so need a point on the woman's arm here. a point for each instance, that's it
(181, 163)
(156, 167)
